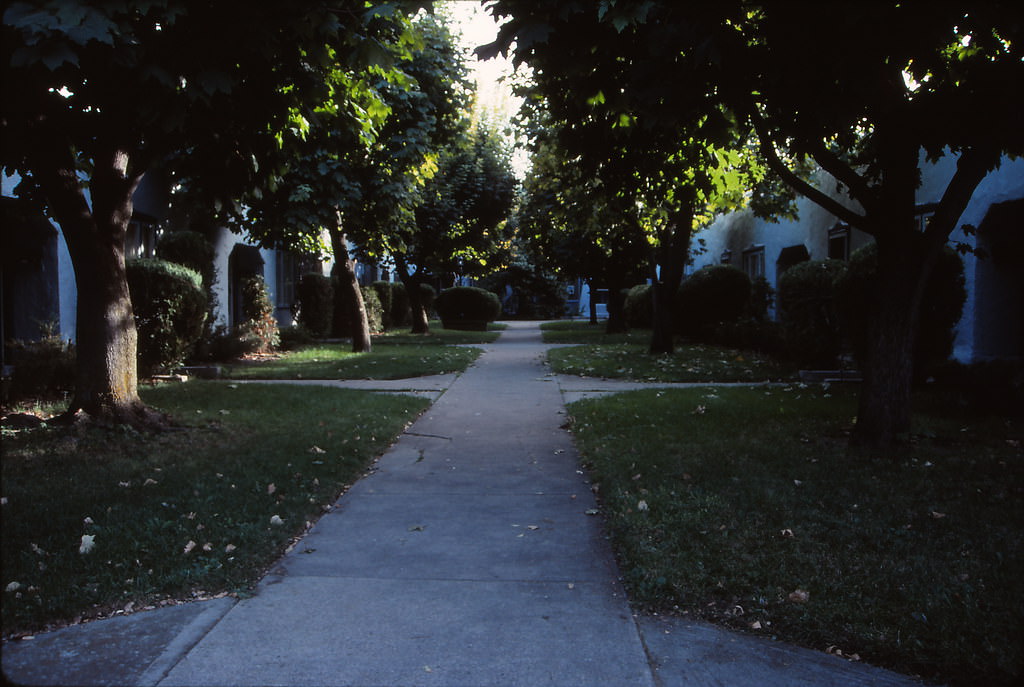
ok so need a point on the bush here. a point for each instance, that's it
(295, 337)
(400, 314)
(709, 296)
(640, 306)
(941, 307)
(808, 314)
(43, 368)
(383, 289)
(316, 304)
(258, 334)
(374, 309)
(467, 307)
(428, 295)
(762, 295)
(170, 310)
(191, 249)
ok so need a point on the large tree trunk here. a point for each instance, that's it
(884, 410)
(106, 383)
(355, 308)
(671, 260)
(420, 322)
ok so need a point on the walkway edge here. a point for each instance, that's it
(188, 637)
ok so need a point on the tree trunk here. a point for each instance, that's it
(675, 246)
(106, 382)
(354, 306)
(884, 410)
(420, 322)
(592, 304)
(617, 323)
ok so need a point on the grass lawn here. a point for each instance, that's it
(745, 506)
(439, 335)
(182, 514)
(689, 363)
(582, 332)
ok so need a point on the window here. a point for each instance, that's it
(753, 262)
(726, 258)
(923, 214)
(839, 242)
(140, 241)
(287, 273)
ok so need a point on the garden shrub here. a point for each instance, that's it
(170, 311)
(191, 249)
(316, 304)
(43, 368)
(259, 333)
(462, 307)
(941, 307)
(640, 306)
(295, 337)
(527, 293)
(427, 297)
(400, 314)
(374, 309)
(383, 289)
(713, 294)
(807, 312)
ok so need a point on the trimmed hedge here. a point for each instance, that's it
(374, 309)
(191, 249)
(808, 314)
(941, 307)
(400, 313)
(384, 295)
(170, 310)
(316, 304)
(640, 306)
(467, 307)
(709, 296)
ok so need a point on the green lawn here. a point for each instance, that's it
(184, 513)
(582, 332)
(337, 361)
(729, 504)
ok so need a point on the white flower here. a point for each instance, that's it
(88, 543)
(276, 520)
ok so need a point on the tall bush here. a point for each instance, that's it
(941, 307)
(259, 333)
(191, 249)
(400, 314)
(43, 368)
(384, 295)
(170, 310)
(808, 314)
(640, 307)
(463, 307)
(374, 309)
(316, 304)
(709, 296)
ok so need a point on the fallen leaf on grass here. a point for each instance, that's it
(149, 481)
(317, 450)
(188, 547)
(642, 506)
(88, 543)
(799, 596)
(592, 511)
(271, 488)
(276, 520)
(938, 516)
(229, 548)
(787, 533)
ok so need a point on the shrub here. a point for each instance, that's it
(42, 368)
(762, 295)
(808, 313)
(170, 310)
(463, 307)
(374, 309)
(713, 294)
(258, 333)
(400, 314)
(383, 289)
(191, 249)
(316, 304)
(640, 306)
(941, 306)
(294, 337)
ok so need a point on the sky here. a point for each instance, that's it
(476, 27)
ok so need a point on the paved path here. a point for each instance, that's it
(467, 558)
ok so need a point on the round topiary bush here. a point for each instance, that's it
(316, 304)
(808, 314)
(170, 309)
(467, 307)
(640, 306)
(191, 249)
(713, 294)
(941, 306)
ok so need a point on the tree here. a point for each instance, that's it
(96, 96)
(860, 89)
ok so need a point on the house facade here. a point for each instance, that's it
(992, 324)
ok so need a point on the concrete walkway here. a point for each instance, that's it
(467, 558)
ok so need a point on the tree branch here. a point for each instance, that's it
(799, 185)
(834, 165)
(973, 166)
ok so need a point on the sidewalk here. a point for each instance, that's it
(467, 558)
